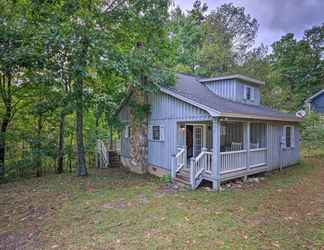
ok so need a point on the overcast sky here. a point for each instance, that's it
(276, 17)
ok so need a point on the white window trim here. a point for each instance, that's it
(161, 127)
(292, 137)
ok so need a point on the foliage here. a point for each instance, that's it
(312, 131)
(166, 178)
(298, 66)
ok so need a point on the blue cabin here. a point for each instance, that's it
(316, 102)
(212, 129)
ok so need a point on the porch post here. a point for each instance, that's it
(216, 163)
(248, 125)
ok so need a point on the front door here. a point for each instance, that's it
(197, 140)
(189, 141)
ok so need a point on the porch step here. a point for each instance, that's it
(114, 159)
(181, 182)
(183, 177)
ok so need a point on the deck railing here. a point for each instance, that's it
(180, 161)
(102, 154)
(233, 161)
(198, 165)
(258, 157)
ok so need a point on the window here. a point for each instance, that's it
(231, 136)
(257, 135)
(288, 136)
(156, 133)
(248, 93)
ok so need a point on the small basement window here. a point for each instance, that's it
(156, 133)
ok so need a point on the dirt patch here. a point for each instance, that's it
(13, 240)
(118, 204)
(167, 189)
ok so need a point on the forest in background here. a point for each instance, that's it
(66, 65)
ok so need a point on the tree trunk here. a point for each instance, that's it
(70, 155)
(60, 159)
(96, 134)
(4, 125)
(38, 159)
(81, 168)
(5, 121)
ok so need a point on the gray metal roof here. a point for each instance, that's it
(192, 90)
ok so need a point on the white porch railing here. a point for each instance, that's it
(258, 157)
(180, 160)
(198, 165)
(102, 154)
(233, 161)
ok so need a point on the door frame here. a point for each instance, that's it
(204, 133)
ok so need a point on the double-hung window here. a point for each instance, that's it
(156, 133)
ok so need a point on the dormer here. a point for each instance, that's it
(237, 88)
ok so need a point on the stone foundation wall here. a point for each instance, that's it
(151, 169)
(138, 138)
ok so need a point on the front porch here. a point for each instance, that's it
(220, 150)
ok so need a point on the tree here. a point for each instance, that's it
(229, 33)
(187, 36)
(16, 59)
(298, 65)
(239, 26)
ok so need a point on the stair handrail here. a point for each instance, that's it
(103, 152)
(198, 166)
(180, 159)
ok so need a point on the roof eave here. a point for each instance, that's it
(256, 117)
(240, 77)
(215, 113)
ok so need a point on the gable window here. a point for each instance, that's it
(288, 136)
(248, 93)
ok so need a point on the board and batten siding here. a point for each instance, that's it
(224, 88)
(165, 111)
(277, 156)
(233, 89)
(317, 104)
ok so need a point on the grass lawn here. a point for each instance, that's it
(113, 209)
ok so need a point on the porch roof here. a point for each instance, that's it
(189, 89)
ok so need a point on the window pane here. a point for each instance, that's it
(248, 93)
(257, 135)
(156, 132)
(288, 137)
(231, 136)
